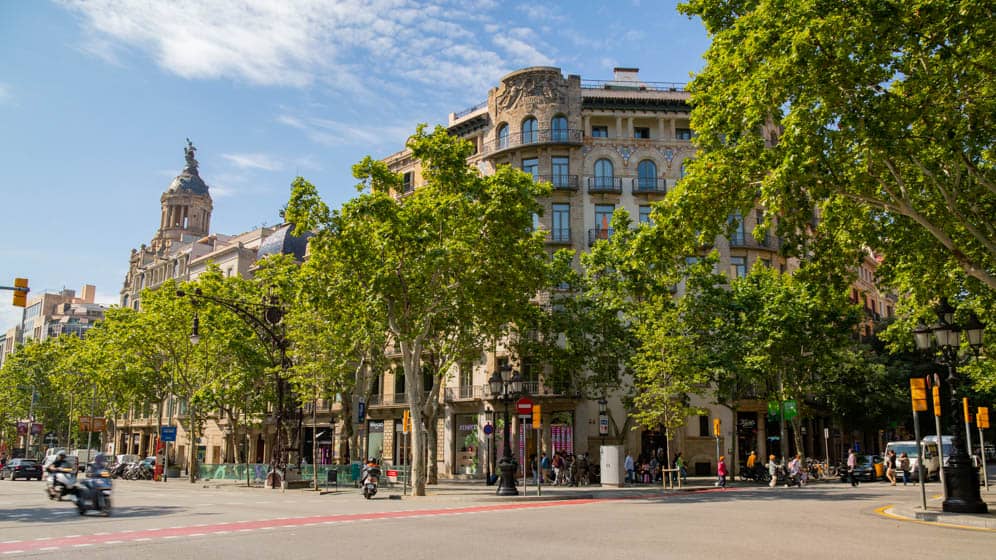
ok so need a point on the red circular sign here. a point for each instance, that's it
(524, 405)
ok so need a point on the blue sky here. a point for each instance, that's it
(96, 99)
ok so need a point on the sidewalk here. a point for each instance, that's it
(934, 515)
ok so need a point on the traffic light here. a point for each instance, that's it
(20, 292)
(918, 393)
(715, 427)
(936, 393)
(983, 417)
(967, 411)
(406, 421)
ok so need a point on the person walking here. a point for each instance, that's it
(679, 468)
(890, 466)
(630, 468)
(794, 477)
(904, 465)
(852, 463)
(772, 471)
(721, 472)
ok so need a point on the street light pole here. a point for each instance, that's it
(961, 479)
(506, 386)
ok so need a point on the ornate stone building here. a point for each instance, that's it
(603, 145)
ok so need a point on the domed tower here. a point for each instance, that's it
(186, 206)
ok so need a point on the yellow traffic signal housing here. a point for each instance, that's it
(936, 393)
(406, 421)
(20, 292)
(715, 427)
(918, 392)
(983, 417)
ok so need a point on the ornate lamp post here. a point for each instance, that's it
(506, 386)
(960, 478)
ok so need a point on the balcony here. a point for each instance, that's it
(466, 393)
(649, 185)
(769, 242)
(536, 137)
(483, 392)
(597, 234)
(612, 185)
(559, 235)
(560, 182)
(390, 399)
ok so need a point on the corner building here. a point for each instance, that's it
(603, 145)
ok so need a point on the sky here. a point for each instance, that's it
(97, 99)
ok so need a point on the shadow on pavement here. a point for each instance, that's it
(60, 515)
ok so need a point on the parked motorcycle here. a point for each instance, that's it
(94, 492)
(370, 479)
(60, 483)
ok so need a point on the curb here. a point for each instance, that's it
(966, 521)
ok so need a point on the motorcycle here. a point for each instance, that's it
(60, 483)
(94, 493)
(371, 476)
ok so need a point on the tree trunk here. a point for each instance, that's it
(346, 444)
(432, 464)
(192, 448)
(797, 435)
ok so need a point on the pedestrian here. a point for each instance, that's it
(721, 472)
(558, 468)
(772, 471)
(904, 465)
(890, 466)
(795, 471)
(630, 468)
(852, 463)
(655, 469)
(544, 467)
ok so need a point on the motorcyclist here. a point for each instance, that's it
(99, 464)
(60, 464)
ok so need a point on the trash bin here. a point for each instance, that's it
(354, 471)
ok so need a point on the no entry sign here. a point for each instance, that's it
(524, 406)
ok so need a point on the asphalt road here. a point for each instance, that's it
(179, 520)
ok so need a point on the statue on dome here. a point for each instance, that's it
(188, 153)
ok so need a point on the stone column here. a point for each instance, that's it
(619, 130)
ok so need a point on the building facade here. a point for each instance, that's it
(603, 145)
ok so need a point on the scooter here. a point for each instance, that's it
(60, 483)
(94, 493)
(371, 476)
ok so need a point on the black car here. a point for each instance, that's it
(870, 468)
(21, 468)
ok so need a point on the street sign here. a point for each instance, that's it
(488, 429)
(603, 425)
(84, 423)
(524, 406)
(98, 423)
(167, 433)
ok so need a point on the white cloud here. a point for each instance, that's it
(5, 94)
(332, 132)
(254, 161)
(345, 45)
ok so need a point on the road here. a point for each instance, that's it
(179, 520)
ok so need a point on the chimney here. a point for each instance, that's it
(88, 293)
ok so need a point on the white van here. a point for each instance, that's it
(931, 460)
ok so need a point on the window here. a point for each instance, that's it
(684, 167)
(529, 131)
(683, 133)
(603, 217)
(736, 221)
(407, 181)
(503, 136)
(641, 132)
(536, 221)
(531, 166)
(738, 267)
(599, 132)
(645, 214)
(558, 129)
(646, 175)
(603, 174)
(765, 262)
(560, 167)
(560, 229)
(704, 426)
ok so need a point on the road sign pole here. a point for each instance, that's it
(921, 471)
(982, 447)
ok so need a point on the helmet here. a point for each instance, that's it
(61, 454)
(371, 460)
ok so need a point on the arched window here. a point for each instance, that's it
(646, 175)
(603, 174)
(529, 130)
(503, 136)
(684, 167)
(558, 129)
(124, 301)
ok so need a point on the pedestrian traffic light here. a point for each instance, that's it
(715, 427)
(936, 393)
(20, 292)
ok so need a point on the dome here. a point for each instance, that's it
(189, 180)
(284, 242)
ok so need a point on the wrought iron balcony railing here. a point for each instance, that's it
(538, 136)
(561, 182)
(646, 185)
(605, 185)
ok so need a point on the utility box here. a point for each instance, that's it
(612, 459)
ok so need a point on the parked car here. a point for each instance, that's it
(21, 468)
(870, 468)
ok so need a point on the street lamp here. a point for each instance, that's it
(960, 478)
(506, 386)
